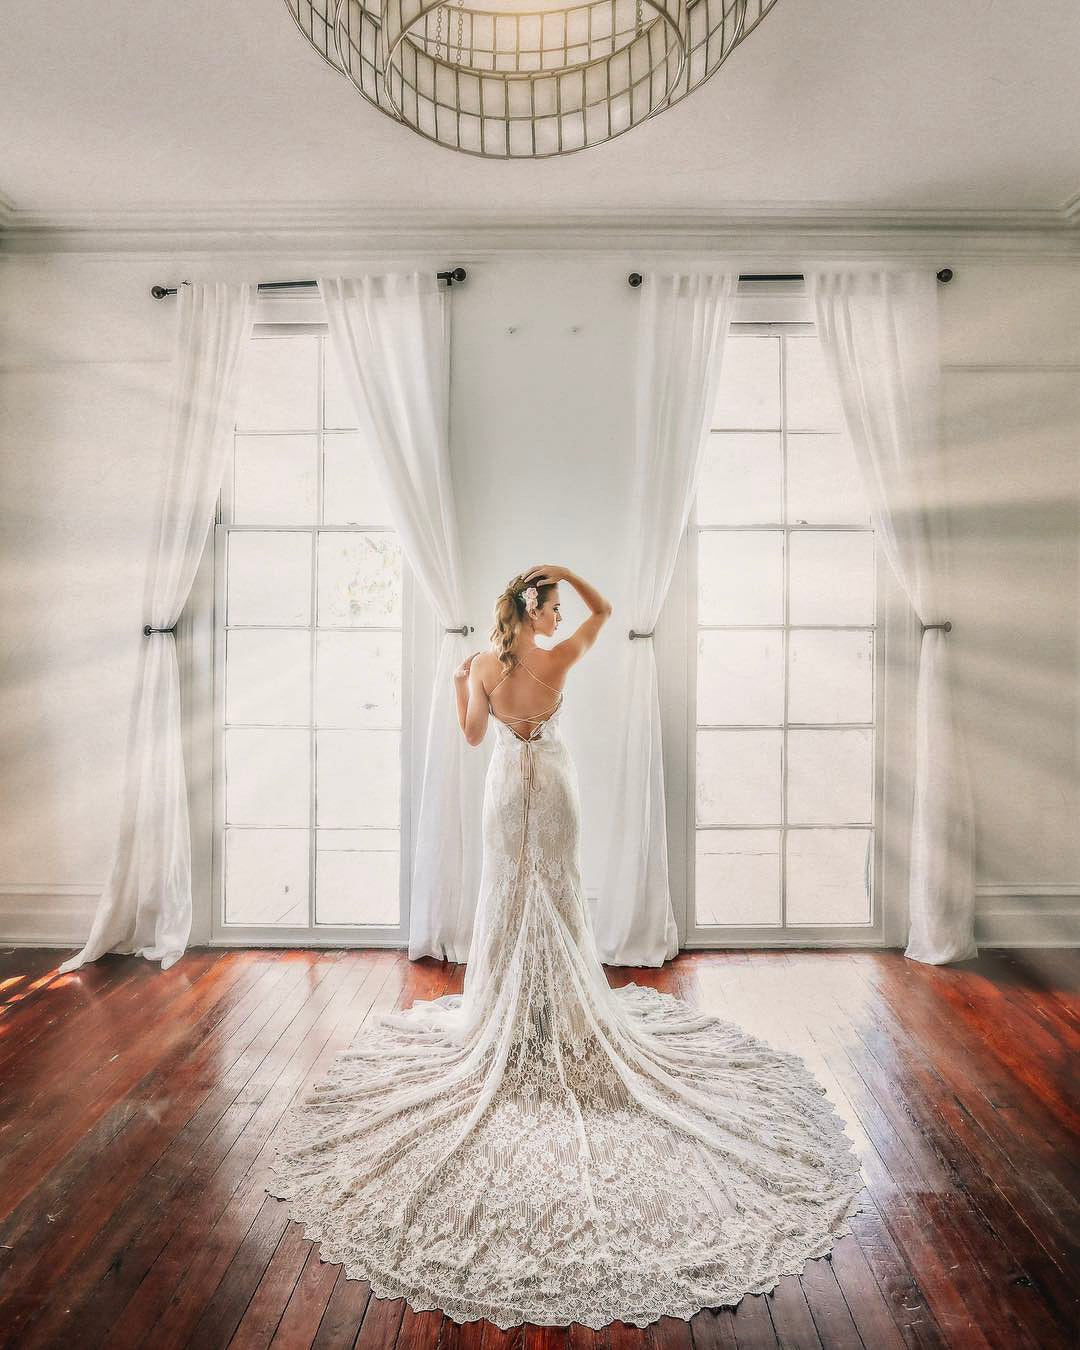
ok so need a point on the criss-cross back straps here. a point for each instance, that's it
(531, 672)
(540, 718)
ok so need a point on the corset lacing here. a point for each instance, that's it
(528, 763)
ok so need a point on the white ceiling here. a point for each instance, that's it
(898, 106)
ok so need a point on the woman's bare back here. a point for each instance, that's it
(525, 693)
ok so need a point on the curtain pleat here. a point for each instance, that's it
(682, 324)
(879, 331)
(391, 336)
(146, 904)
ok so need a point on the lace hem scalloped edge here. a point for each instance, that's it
(384, 1285)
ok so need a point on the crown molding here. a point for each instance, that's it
(754, 229)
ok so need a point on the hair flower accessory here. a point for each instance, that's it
(530, 596)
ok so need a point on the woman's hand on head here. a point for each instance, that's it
(547, 574)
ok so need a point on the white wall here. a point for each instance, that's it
(541, 427)
(85, 381)
(1011, 340)
(541, 422)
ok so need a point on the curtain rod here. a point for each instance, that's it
(635, 278)
(459, 274)
(160, 292)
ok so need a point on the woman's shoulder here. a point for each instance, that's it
(488, 667)
(548, 665)
(488, 663)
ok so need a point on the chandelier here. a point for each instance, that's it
(510, 81)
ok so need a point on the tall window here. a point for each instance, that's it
(786, 652)
(309, 619)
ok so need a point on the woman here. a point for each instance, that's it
(544, 1148)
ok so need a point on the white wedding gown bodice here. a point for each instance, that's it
(544, 1148)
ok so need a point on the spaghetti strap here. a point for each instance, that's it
(540, 718)
(522, 664)
(496, 684)
(538, 679)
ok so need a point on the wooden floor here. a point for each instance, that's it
(138, 1109)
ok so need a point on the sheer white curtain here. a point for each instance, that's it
(146, 904)
(880, 334)
(391, 335)
(682, 323)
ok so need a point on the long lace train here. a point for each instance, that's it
(544, 1148)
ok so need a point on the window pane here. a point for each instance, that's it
(266, 877)
(741, 676)
(358, 779)
(739, 777)
(829, 876)
(740, 481)
(832, 577)
(831, 676)
(351, 492)
(281, 706)
(267, 776)
(279, 385)
(812, 401)
(338, 409)
(830, 776)
(738, 876)
(749, 393)
(275, 480)
(823, 483)
(359, 579)
(268, 676)
(269, 577)
(357, 876)
(740, 576)
(783, 641)
(358, 679)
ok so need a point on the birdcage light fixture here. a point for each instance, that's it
(505, 79)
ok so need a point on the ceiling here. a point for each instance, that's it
(901, 107)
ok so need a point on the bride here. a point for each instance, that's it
(544, 1148)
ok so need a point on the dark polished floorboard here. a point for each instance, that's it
(138, 1109)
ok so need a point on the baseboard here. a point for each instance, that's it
(1041, 915)
(46, 916)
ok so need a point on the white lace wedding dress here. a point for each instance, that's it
(544, 1148)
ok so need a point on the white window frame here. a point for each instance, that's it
(202, 652)
(895, 656)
